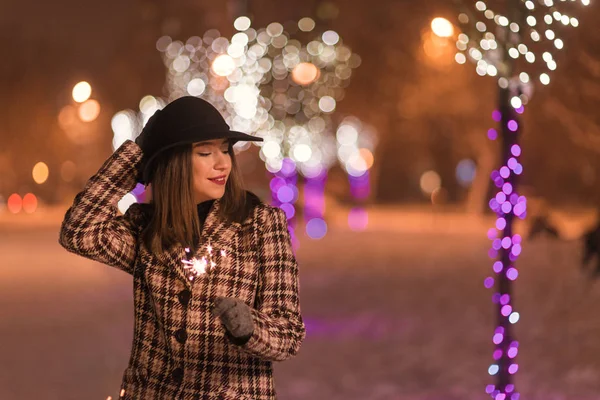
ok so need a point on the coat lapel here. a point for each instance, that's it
(217, 233)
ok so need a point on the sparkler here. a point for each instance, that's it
(200, 266)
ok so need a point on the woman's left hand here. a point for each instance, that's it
(235, 315)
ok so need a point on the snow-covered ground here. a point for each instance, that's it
(396, 312)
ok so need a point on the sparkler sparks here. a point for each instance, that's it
(200, 266)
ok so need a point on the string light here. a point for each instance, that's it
(530, 48)
(547, 12)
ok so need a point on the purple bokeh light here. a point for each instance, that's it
(288, 167)
(500, 197)
(500, 223)
(515, 150)
(316, 228)
(358, 219)
(498, 338)
(506, 310)
(289, 210)
(276, 183)
(496, 244)
(512, 274)
(285, 194)
(498, 267)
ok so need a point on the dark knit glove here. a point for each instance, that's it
(235, 315)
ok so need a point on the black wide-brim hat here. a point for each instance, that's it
(186, 120)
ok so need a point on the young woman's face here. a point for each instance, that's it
(211, 164)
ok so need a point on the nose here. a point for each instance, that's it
(223, 161)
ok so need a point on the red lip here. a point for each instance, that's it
(216, 180)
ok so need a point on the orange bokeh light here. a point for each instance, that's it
(14, 203)
(67, 116)
(30, 203)
(89, 110)
(367, 156)
(40, 172)
(305, 73)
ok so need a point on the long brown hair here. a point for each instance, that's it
(174, 216)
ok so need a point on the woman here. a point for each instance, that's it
(209, 321)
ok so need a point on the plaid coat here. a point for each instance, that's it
(180, 351)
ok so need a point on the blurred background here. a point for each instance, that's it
(381, 125)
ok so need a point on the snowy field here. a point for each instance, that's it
(396, 312)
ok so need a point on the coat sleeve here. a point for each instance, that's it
(92, 227)
(278, 326)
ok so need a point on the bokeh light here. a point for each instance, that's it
(123, 124)
(442, 27)
(89, 110)
(330, 37)
(305, 73)
(358, 219)
(148, 105)
(223, 65)
(285, 194)
(306, 24)
(316, 228)
(242, 23)
(30, 203)
(327, 104)
(196, 87)
(40, 172)
(465, 172)
(82, 91)
(14, 203)
(67, 117)
(289, 210)
(430, 181)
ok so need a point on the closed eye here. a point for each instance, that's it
(208, 154)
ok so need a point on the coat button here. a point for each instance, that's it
(181, 335)
(177, 375)
(184, 297)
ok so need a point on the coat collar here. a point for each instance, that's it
(215, 231)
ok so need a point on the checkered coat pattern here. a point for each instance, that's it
(180, 351)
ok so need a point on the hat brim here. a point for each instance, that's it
(233, 136)
(240, 137)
